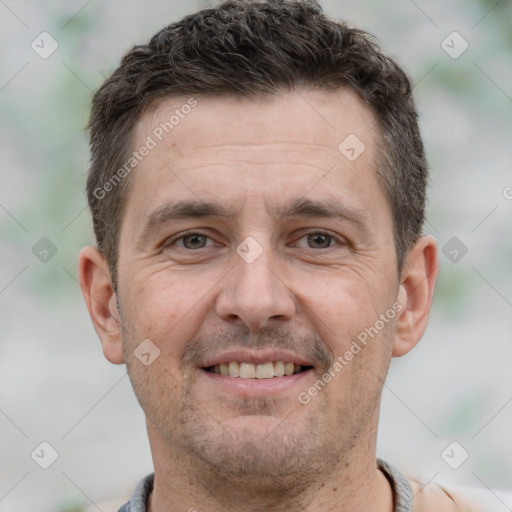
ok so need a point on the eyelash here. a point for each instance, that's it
(191, 233)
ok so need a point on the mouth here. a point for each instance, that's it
(262, 375)
(256, 373)
(248, 370)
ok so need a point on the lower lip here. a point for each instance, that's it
(256, 387)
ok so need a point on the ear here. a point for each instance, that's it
(415, 294)
(101, 300)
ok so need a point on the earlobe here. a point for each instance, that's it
(101, 300)
(415, 294)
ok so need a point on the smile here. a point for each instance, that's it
(268, 370)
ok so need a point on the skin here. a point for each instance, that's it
(216, 448)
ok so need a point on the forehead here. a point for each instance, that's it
(307, 117)
(231, 147)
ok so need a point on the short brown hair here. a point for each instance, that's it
(254, 48)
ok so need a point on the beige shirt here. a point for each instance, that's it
(452, 498)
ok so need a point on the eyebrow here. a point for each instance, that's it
(309, 208)
(182, 210)
(301, 207)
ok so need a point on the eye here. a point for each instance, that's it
(318, 240)
(190, 241)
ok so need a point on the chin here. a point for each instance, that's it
(259, 449)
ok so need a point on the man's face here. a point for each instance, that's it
(252, 270)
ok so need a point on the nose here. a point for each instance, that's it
(254, 293)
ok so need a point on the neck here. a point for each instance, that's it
(354, 484)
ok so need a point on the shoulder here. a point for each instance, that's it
(110, 505)
(451, 498)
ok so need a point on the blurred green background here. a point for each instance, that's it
(55, 385)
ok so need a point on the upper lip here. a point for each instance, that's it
(256, 357)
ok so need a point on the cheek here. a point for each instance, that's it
(340, 307)
(168, 311)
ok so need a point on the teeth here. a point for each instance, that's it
(234, 369)
(247, 370)
(289, 368)
(257, 371)
(279, 369)
(265, 371)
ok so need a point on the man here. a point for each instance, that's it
(257, 188)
